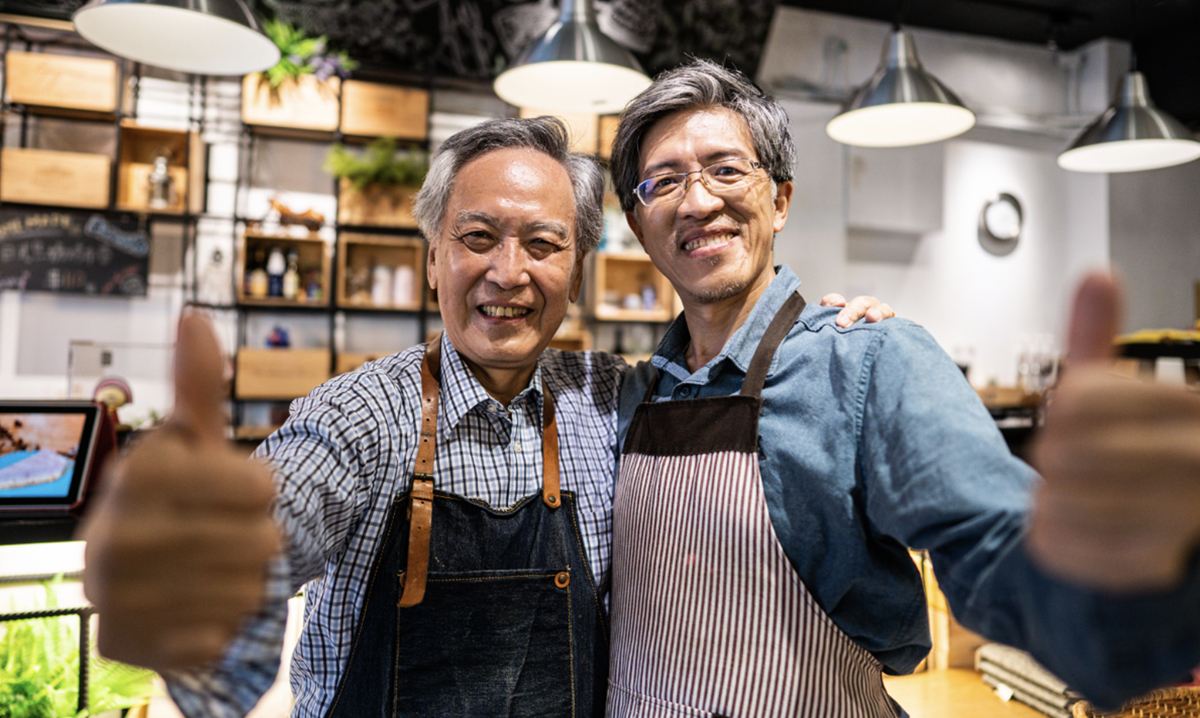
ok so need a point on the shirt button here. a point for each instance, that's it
(517, 446)
(685, 391)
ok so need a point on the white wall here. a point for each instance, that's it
(1155, 224)
(1031, 102)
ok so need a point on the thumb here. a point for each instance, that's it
(1095, 319)
(199, 379)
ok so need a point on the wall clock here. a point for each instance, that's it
(1000, 223)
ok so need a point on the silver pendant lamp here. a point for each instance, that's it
(573, 67)
(207, 37)
(901, 104)
(1131, 135)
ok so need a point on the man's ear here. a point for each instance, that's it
(431, 270)
(431, 265)
(577, 278)
(783, 202)
(632, 220)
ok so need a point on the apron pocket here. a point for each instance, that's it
(486, 643)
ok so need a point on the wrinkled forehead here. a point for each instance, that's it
(514, 188)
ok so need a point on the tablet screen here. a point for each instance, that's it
(45, 453)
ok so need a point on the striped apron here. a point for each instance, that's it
(709, 618)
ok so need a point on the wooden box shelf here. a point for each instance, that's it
(371, 109)
(314, 262)
(279, 374)
(349, 361)
(376, 205)
(139, 148)
(305, 103)
(628, 288)
(84, 85)
(68, 179)
(358, 257)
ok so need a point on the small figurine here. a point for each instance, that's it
(278, 337)
(114, 393)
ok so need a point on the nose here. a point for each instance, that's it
(509, 265)
(698, 200)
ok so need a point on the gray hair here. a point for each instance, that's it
(701, 84)
(545, 134)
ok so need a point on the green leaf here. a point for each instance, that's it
(379, 162)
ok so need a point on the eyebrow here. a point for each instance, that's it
(669, 166)
(558, 229)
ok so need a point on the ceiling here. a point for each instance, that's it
(1165, 33)
(472, 39)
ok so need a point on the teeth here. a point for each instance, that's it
(493, 311)
(705, 241)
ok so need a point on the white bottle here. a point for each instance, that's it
(402, 286)
(381, 285)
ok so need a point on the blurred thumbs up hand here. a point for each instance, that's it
(1119, 505)
(179, 540)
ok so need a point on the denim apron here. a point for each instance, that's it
(710, 618)
(474, 611)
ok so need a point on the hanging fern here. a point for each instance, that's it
(379, 163)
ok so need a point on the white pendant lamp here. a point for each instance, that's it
(1131, 135)
(573, 67)
(901, 104)
(206, 37)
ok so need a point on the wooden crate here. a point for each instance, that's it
(623, 274)
(608, 133)
(572, 341)
(305, 103)
(279, 374)
(313, 251)
(376, 205)
(583, 127)
(359, 253)
(70, 179)
(370, 109)
(139, 147)
(349, 361)
(43, 79)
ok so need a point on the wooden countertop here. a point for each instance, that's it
(952, 693)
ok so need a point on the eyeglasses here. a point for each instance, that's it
(719, 178)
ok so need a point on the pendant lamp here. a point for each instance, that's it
(573, 67)
(206, 37)
(901, 104)
(1131, 135)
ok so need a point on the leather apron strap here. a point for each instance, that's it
(756, 375)
(420, 524)
(420, 518)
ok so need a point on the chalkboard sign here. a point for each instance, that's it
(75, 252)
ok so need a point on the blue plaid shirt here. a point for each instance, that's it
(349, 449)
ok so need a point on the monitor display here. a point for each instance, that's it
(46, 449)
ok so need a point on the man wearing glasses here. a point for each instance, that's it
(776, 467)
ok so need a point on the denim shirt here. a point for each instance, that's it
(871, 441)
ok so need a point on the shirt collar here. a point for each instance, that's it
(741, 346)
(461, 391)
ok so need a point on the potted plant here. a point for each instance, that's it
(301, 90)
(39, 670)
(376, 186)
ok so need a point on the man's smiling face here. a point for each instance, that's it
(713, 247)
(506, 264)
